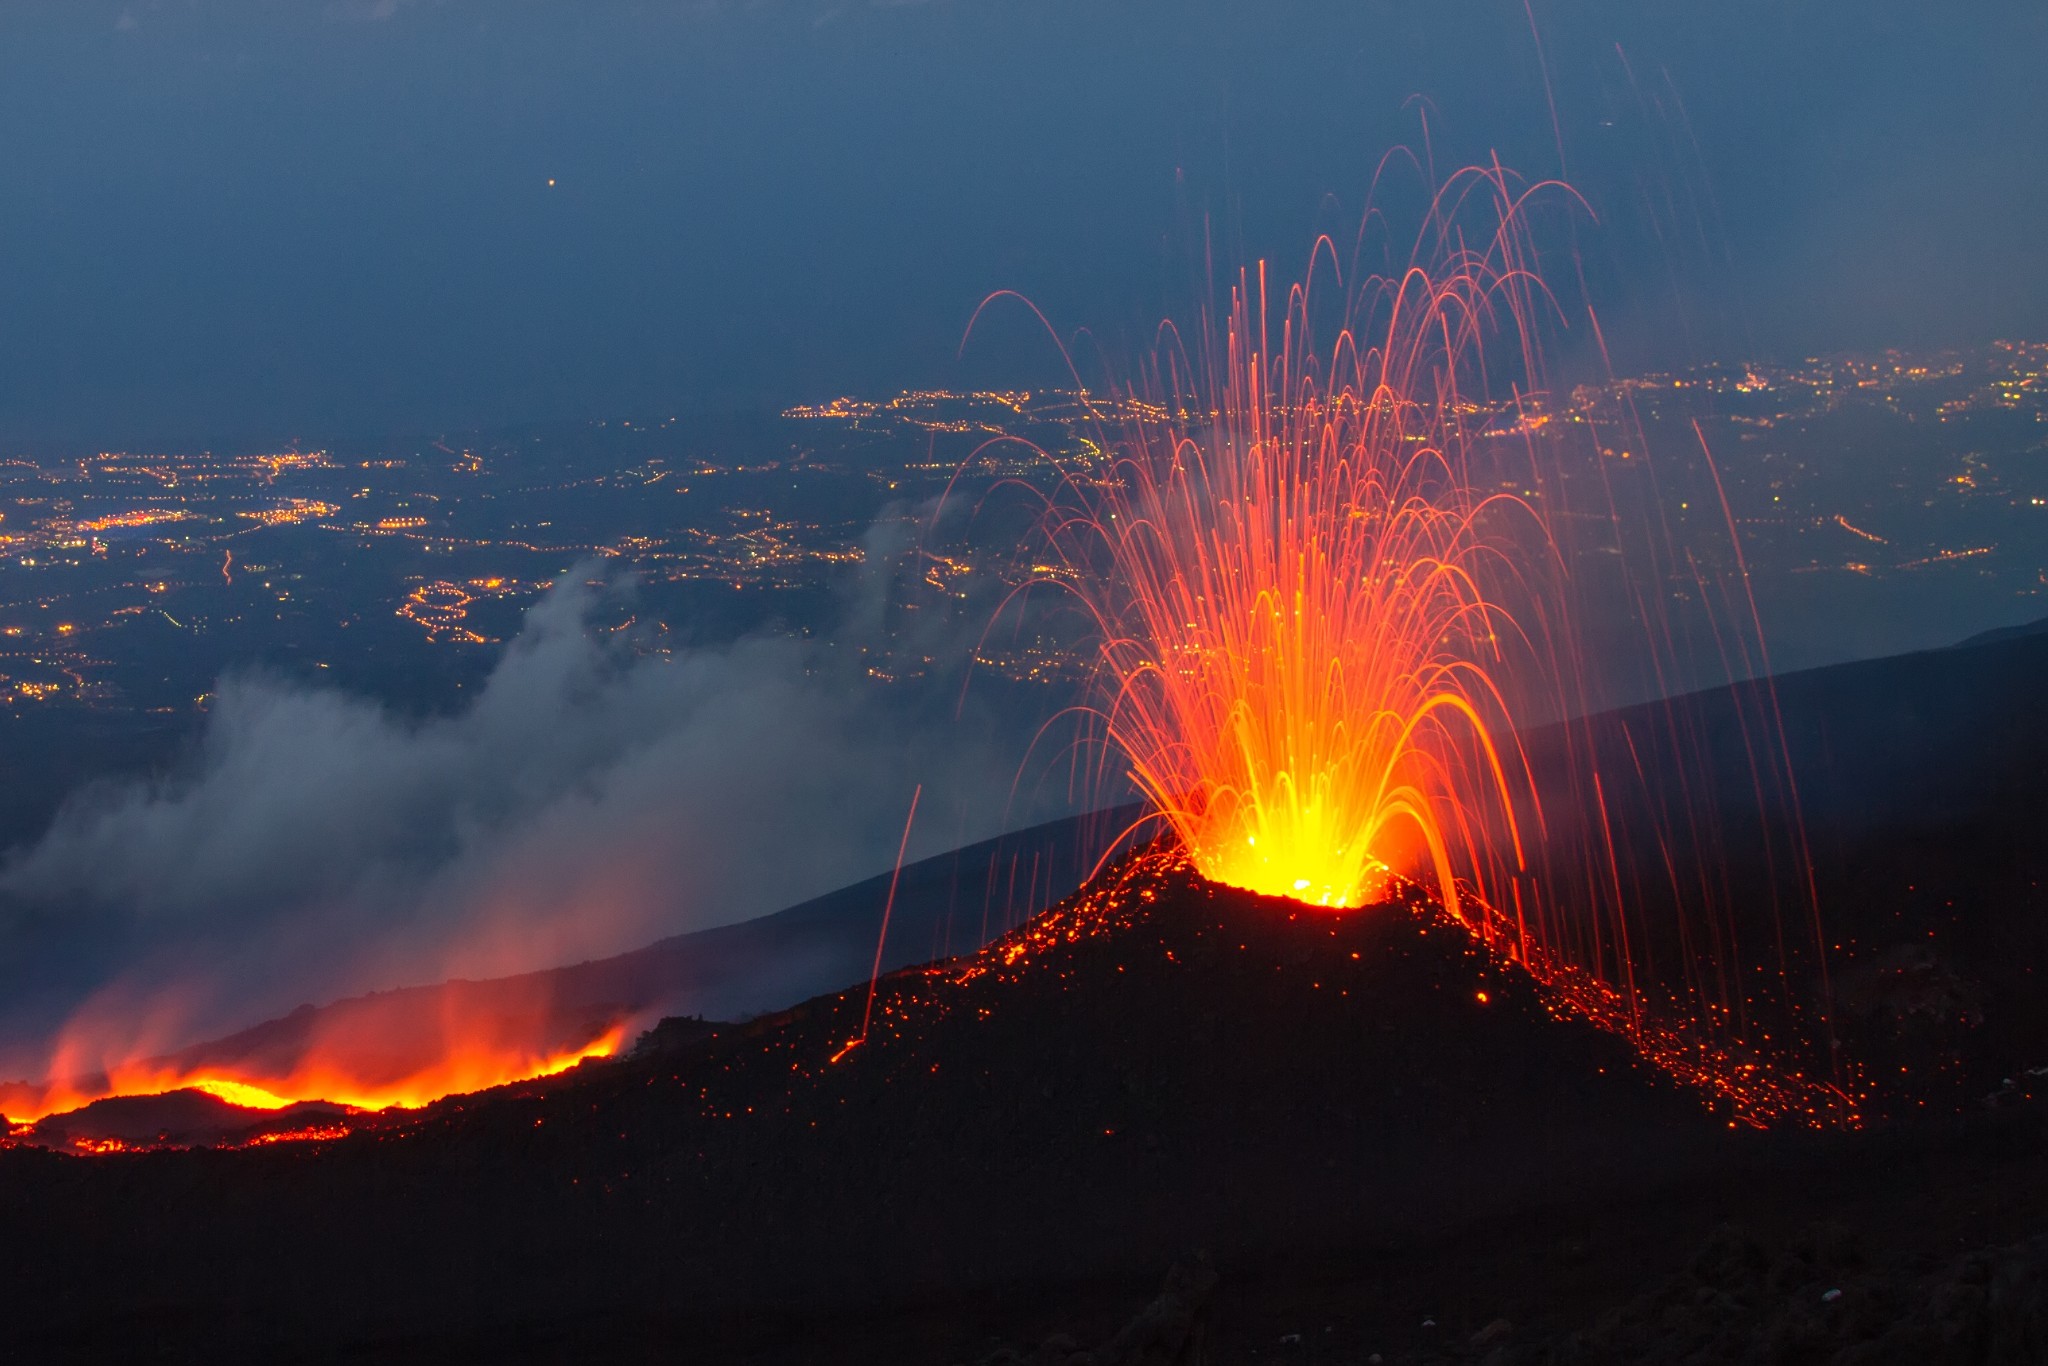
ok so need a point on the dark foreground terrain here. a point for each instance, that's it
(1327, 1138)
(1157, 1065)
(1378, 1139)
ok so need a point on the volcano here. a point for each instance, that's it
(1365, 1113)
(1154, 1064)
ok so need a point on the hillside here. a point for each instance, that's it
(951, 903)
(1158, 1064)
(1326, 1105)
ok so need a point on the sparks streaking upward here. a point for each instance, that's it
(1304, 599)
(1364, 592)
(1299, 628)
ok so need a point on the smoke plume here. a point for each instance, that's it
(589, 800)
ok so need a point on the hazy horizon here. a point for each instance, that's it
(235, 223)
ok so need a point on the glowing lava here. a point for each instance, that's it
(316, 1077)
(1370, 606)
(1293, 576)
(1304, 692)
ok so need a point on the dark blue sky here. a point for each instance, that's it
(247, 220)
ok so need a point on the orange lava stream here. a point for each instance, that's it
(459, 1073)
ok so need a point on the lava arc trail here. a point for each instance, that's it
(1339, 558)
(1301, 638)
(1306, 604)
(375, 1071)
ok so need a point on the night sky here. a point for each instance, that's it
(233, 220)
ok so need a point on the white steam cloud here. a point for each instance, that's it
(588, 801)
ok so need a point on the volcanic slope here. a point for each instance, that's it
(1154, 1064)
(943, 905)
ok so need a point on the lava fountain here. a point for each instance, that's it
(1305, 601)
(1300, 631)
(1337, 549)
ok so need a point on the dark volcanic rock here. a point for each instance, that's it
(1084, 1102)
(1814, 1299)
(1165, 1066)
(674, 1035)
(1167, 1332)
(1746, 1300)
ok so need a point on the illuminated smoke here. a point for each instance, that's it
(586, 802)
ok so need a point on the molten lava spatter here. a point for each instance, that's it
(1749, 1088)
(1339, 558)
(1299, 588)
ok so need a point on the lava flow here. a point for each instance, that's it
(353, 1076)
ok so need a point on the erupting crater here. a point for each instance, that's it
(1345, 560)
